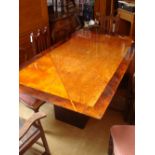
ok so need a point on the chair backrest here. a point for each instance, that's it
(70, 5)
(64, 27)
(62, 6)
(109, 25)
(75, 22)
(40, 40)
(23, 56)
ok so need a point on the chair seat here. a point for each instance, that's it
(123, 137)
(30, 101)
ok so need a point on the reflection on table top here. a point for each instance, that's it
(76, 74)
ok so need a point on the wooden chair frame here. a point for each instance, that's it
(36, 102)
(40, 40)
(39, 133)
(23, 56)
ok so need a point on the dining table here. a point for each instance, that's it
(79, 76)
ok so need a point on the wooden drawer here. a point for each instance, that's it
(126, 15)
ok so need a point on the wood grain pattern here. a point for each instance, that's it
(81, 75)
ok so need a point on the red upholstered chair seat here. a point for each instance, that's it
(30, 101)
(123, 139)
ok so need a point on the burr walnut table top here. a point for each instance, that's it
(82, 74)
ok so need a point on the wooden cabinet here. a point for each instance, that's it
(127, 22)
(107, 7)
(33, 14)
(59, 29)
(62, 27)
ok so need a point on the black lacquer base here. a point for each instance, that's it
(70, 117)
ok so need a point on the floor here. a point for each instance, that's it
(64, 139)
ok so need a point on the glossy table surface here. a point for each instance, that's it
(82, 74)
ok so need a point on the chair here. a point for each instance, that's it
(30, 131)
(60, 6)
(70, 6)
(28, 100)
(40, 40)
(62, 29)
(75, 23)
(23, 56)
(31, 102)
(109, 25)
(59, 35)
(130, 108)
(122, 140)
(124, 97)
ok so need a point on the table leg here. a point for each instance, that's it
(70, 117)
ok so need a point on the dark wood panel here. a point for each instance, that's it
(102, 8)
(63, 27)
(33, 14)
